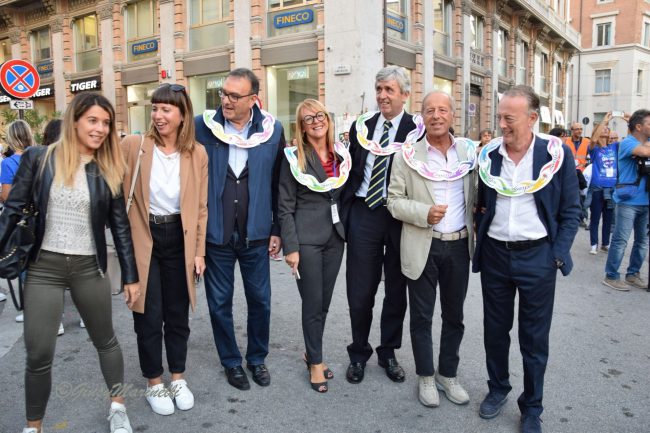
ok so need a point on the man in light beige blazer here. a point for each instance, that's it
(437, 243)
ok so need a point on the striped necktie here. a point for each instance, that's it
(378, 176)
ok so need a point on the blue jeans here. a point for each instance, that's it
(628, 218)
(219, 287)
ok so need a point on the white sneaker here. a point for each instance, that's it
(31, 430)
(427, 392)
(3, 297)
(159, 399)
(81, 323)
(182, 395)
(594, 250)
(20, 318)
(453, 390)
(61, 330)
(118, 420)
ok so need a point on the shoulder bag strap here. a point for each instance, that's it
(135, 177)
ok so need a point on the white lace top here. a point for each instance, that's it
(68, 229)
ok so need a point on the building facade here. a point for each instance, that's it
(612, 72)
(324, 49)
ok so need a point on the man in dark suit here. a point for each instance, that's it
(523, 238)
(373, 235)
(242, 204)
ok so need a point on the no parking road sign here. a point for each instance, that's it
(19, 78)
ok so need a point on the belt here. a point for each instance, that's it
(164, 219)
(521, 245)
(460, 234)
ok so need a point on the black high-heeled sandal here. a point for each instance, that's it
(320, 387)
(327, 372)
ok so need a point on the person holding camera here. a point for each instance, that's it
(631, 197)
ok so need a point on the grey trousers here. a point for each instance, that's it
(46, 281)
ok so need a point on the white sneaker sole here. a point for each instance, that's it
(449, 397)
(424, 403)
(620, 289)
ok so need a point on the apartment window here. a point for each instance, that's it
(397, 19)
(141, 26)
(603, 81)
(558, 79)
(640, 75)
(502, 51)
(277, 4)
(40, 40)
(86, 43)
(604, 34)
(5, 50)
(442, 14)
(477, 32)
(646, 34)
(522, 62)
(208, 23)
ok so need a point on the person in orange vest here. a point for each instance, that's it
(579, 145)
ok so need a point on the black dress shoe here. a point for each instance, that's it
(261, 374)
(237, 378)
(355, 372)
(394, 371)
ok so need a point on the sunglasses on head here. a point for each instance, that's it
(174, 87)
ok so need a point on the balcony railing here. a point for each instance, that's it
(543, 11)
(477, 58)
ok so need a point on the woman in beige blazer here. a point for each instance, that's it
(168, 217)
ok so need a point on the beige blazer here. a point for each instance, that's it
(194, 209)
(410, 196)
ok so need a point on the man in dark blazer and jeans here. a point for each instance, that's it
(373, 235)
(522, 240)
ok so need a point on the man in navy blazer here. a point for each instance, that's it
(242, 204)
(521, 243)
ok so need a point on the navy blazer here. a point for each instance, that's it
(558, 205)
(263, 174)
(359, 155)
(305, 215)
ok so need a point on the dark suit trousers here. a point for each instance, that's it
(319, 266)
(373, 242)
(532, 273)
(448, 267)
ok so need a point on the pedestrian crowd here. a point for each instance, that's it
(410, 201)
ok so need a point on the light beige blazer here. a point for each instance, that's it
(194, 209)
(410, 196)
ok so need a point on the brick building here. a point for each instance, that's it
(328, 50)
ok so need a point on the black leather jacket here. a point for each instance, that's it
(103, 208)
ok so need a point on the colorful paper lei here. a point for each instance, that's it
(254, 140)
(374, 147)
(310, 181)
(423, 169)
(527, 186)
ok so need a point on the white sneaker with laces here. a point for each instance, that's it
(453, 390)
(594, 250)
(61, 331)
(118, 419)
(159, 399)
(427, 392)
(182, 395)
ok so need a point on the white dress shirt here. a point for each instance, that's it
(370, 160)
(165, 183)
(237, 157)
(450, 193)
(516, 218)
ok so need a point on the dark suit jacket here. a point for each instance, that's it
(359, 155)
(558, 204)
(305, 216)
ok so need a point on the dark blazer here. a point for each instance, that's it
(359, 155)
(105, 209)
(558, 205)
(305, 215)
(263, 169)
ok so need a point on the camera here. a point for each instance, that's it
(643, 166)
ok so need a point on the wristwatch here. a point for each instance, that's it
(559, 263)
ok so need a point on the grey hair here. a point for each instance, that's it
(526, 92)
(396, 73)
(452, 104)
(19, 135)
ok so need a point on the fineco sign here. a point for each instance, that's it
(90, 83)
(144, 47)
(395, 23)
(294, 18)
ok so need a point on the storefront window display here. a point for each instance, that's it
(204, 91)
(139, 103)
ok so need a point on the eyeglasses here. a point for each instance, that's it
(231, 96)
(174, 87)
(308, 119)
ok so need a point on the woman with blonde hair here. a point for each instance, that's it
(313, 237)
(75, 184)
(18, 138)
(168, 221)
